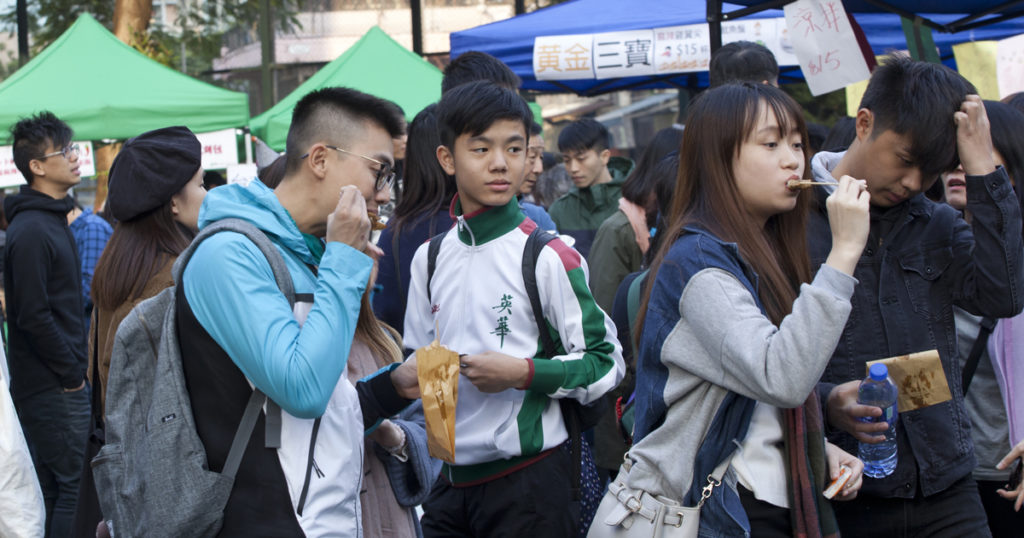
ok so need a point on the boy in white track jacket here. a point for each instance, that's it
(508, 476)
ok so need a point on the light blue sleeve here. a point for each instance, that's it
(539, 215)
(230, 287)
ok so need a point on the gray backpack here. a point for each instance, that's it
(152, 475)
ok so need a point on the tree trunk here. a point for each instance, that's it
(131, 17)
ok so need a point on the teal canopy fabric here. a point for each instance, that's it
(105, 89)
(377, 65)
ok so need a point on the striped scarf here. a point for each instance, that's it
(811, 513)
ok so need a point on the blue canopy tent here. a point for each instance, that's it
(972, 13)
(512, 40)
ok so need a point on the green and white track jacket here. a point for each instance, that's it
(479, 303)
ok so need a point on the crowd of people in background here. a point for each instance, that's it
(638, 341)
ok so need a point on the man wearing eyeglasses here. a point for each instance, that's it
(237, 331)
(534, 166)
(47, 341)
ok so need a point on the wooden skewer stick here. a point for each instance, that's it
(805, 183)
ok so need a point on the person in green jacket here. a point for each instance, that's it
(597, 182)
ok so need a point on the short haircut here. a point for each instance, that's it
(582, 135)
(336, 115)
(841, 135)
(32, 135)
(918, 100)
(535, 129)
(742, 61)
(472, 108)
(1016, 100)
(475, 65)
(816, 135)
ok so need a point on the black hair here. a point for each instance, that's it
(474, 66)
(639, 186)
(1016, 100)
(582, 135)
(1007, 124)
(665, 173)
(334, 114)
(816, 135)
(918, 99)
(473, 107)
(535, 129)
(32, 135)
(841, 135)
(212, 178)
(426, 188)
(742, 61)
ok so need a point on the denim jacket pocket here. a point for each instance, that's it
(922, 267)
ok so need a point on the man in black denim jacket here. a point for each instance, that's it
(921, 258)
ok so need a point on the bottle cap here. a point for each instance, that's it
(878, 372)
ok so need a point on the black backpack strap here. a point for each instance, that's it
(531, 253)
(433, 249)
(984, 331)
(570, 408)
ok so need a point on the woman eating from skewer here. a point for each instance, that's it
(734, 335)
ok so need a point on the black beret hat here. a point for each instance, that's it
(151, 168)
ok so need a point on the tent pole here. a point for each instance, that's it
(22, 15)
(416, 7)
(267, 49)
(715, 24)
(955, 25)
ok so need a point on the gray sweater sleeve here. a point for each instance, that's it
(775, 365)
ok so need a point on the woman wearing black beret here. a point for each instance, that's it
(155, 192)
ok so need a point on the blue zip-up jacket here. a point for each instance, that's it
(707, 352)
(910, 278)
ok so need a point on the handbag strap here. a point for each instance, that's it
(984, 331)
(715, 479)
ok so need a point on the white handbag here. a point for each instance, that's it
(633, 513)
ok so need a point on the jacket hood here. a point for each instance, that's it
(29, 199)
(620, 167)
(256, 204)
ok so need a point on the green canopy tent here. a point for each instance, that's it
(377, 65)
(105, 89)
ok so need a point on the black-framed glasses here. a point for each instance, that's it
(385, 175)
(67, 152)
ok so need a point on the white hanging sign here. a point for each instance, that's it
(220, 149)
(647, 52)
(825, 45)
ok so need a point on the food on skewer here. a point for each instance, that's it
(376, 223)
(804, 183)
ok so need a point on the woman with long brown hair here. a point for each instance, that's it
(397, 469)
(734, 335)
(155, 192)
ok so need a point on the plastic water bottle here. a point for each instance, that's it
(879, 391)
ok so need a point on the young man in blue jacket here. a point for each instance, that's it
(915, 121)
(237, 330)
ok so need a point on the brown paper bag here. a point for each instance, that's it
(437, 368)
(919, 377)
